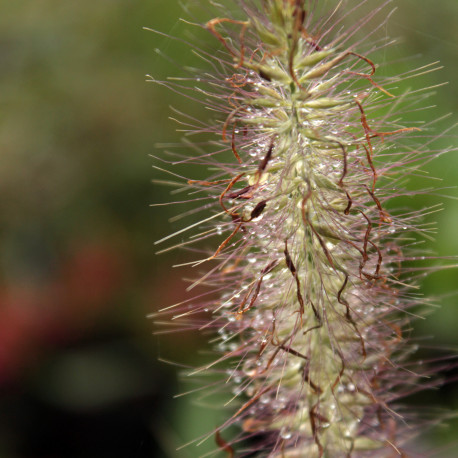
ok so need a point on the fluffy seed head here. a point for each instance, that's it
(308, 146)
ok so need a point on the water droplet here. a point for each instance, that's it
(259, 218)
(285, 433)
(237, 390)
(249, 368)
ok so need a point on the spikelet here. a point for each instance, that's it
(308, 147)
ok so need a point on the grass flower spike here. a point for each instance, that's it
(307, 282)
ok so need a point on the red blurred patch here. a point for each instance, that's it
(34, 316)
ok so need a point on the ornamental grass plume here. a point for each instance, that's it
(307, 283)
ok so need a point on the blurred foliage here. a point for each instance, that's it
(78, 274)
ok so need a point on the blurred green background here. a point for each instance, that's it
(79, 375)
